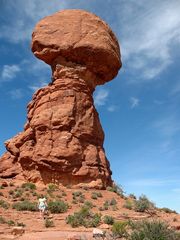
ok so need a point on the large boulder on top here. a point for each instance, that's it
(80, 37)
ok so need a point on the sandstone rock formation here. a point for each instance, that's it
(62, 141)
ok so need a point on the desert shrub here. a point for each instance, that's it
(131, 195)
(52, 187)
(29, 185)
(88, 204)
(11, 184)
(4, 204)
(77, 194)
(94, 195)
(49, 223)
(117, 189)
(119, 229)
(10, 223)
(106, 205)
(128, 204)
(18, 194)
(25, 206)
(81, 199)
(168, 210)
(84, 218)
(99, 194)
(78, 197)
(21, 224)
(143, 204)
(1, 194)
(11, 192)
(113, 202)
(57, 206)
(108, 220)
(2, 220)
(152, 230)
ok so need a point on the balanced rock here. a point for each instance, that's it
(62, 141)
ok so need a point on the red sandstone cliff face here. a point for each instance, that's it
(63, 139)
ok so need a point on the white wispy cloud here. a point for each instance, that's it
(134, 102)
(9, 72)
(167, 126)
(100, 97)
(112, 108)
(34, 87)
(16, 94)
(24, 15)
(150, 30)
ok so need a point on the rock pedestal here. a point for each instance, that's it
(63, 139)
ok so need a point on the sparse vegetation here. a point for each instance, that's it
(4, 204)
(57, 206)
(117, 189)
(10, 223)
(25, 206)
(108, 220)
(143, 204)
(168, 210)
(131, 195)
(2, 220)
(84, 218)
(119, 229)
(49, 223)
(29, 185)
(152, 230)
(88, 204)
(113, 202)
(128, 204)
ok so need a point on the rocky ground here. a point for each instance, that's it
(35, 227)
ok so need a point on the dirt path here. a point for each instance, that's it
(55, 235)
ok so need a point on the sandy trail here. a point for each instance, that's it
(55, 235)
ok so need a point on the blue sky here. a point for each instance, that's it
(139, 109)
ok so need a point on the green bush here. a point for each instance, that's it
(10, 223)
(29, 185)
(168, 210)
(52, 187)
(117, 189)
(11, 192)
(84, 218)
(25, 206)
(113, 202)
(21, 224)
(2, 220)
(77, 194)
(143, 204)
(108, 220)
(88, 204)
(128, 204)
(4, 204)
(131, 195)
(49, 223)
(94, 195)
(119, 229)
(106, 205)
(152, 230)
(57, 206)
